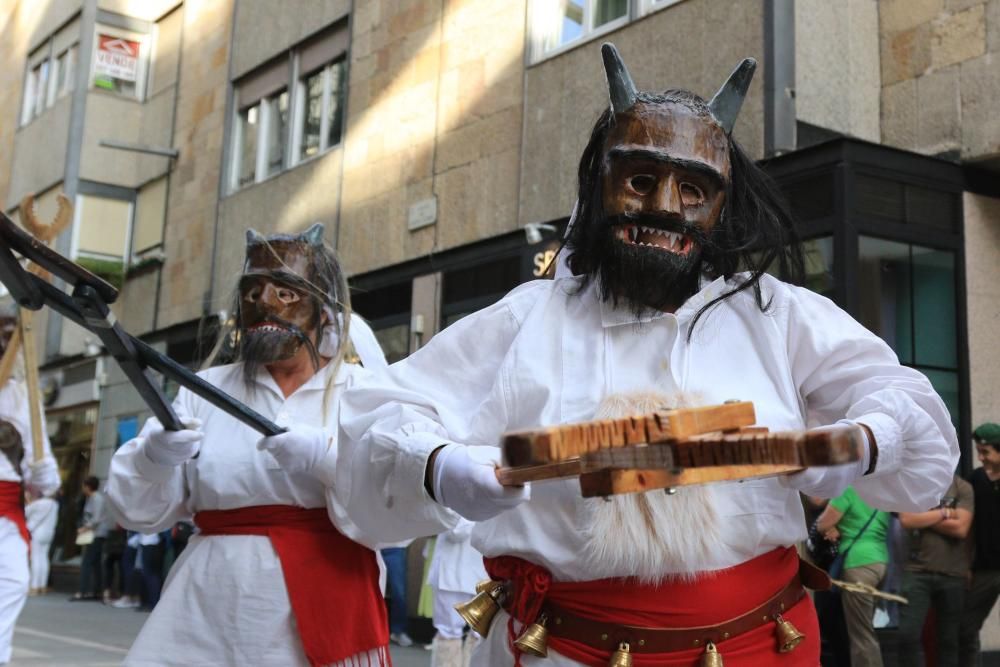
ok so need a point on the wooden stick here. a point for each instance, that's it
(31, 379)
(45, 234)
(10, 356)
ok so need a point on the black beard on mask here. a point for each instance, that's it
(644, 278)
(261, 347)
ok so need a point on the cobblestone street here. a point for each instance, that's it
(53, 631)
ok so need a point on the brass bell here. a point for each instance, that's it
(787, 634)
(480, 610)
(621, 657)
(535, 640)
(711, 657)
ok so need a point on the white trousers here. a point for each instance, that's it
(40, 563)
(447, 622)
(13, 583)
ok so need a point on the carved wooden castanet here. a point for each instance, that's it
(606, 467)
(568, 441)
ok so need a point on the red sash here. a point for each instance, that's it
(332, 581)
(711, 599)
(12, 507)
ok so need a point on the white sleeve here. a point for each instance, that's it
(41, 478)
(146, 496)
(843, 371)
(452, 390)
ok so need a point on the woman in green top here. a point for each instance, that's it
(861, 531)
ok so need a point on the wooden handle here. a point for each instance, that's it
(31, 379)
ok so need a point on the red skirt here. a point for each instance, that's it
(332, 581)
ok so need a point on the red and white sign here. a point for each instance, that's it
(117, 58)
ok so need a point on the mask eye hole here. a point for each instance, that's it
(691, 194)
(287, 295)
(641, 184)
(253, 294)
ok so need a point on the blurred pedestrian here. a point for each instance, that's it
(935, 571)
(114, 549)
(152, 548)
(861, 532)
(41, 515)
(985, 585)
(456, 568)
(395, 593)
(91, 535)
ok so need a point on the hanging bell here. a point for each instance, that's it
(480, 610)
(621, 657)
(711, 657)
(534, 640)
(787, 634)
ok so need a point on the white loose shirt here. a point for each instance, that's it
(41, 480)
(548, 353)
(225, 600)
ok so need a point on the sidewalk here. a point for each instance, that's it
(54, 631)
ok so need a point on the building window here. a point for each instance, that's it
(320, 120)
(909, 301)
(559, 23)
(147, 225)
(119, 64)
(289, 110)
(65, 72)
(50, 72)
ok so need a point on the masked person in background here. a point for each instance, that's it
(276, 575)
(19, 471)
(674, 230)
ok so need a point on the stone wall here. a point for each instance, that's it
(194, 181)
(941, 76)
(434, 111)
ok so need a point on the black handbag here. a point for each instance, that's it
(822, 552)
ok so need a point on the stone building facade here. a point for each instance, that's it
(438, 141)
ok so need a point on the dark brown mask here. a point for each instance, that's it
(278, 308)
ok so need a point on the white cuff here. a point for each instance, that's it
(887, 439)
(154, 472)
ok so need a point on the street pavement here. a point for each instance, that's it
(52, 631)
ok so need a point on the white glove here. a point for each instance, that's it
(465, 480)
(299, 449)
(171, 448)
(43, 476)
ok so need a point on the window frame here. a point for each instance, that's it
(295, 87)
(635, 10)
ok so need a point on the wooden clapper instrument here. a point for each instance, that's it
(671, 448)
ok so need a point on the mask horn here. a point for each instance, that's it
(726, 104)
(314, 235)
(254, 237)
(620, 85)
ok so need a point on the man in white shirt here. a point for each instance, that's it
(18, 471)
(276, 574)
(675, 226)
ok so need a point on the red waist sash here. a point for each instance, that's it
(12, 507)
(332, 581)
(712, 599)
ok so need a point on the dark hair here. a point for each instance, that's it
(754, 231)
(92, 483)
